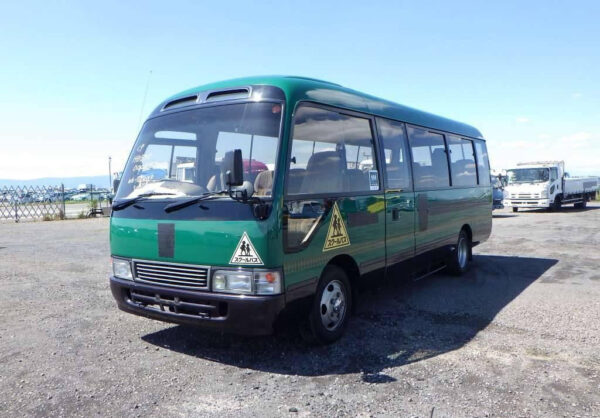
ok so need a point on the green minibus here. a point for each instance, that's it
(247, 199)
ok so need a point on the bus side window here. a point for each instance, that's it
(430, 161)
(462, 158)
(334, 152)
(397, 169)
(483, 165)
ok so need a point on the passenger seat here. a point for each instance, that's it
(324, 173)
(263, 184)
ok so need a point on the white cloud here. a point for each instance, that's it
(521, 119)
(580, 151)
(576, 95)
(577, 137)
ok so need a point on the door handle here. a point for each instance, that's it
(395, 214)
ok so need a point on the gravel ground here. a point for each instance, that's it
(518, 336)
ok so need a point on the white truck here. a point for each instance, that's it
(545, 184)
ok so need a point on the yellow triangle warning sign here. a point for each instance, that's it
(245, 253)
(337, 236)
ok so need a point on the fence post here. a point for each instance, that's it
(16, 207)
(62, 196)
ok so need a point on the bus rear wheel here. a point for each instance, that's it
(461, 257)
(330, 309)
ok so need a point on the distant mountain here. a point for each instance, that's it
(69, 182)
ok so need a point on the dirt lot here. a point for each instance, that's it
(518, 336)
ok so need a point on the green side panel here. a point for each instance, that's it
(400, 229)
(442, 213)
(364, 218)
(196, 242)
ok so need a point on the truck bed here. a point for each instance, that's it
(576, 185)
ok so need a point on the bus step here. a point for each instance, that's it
(429, 273)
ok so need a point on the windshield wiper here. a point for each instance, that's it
(125, 203)
(171, 207)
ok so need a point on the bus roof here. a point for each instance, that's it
(304, 88)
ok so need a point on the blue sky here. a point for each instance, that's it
(73, 74)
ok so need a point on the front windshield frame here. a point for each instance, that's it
(120, 196)
(526, 175)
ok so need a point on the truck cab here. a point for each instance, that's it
(534, 185)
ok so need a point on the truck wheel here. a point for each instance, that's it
(556, 205)
(582, 204)
(515, 209)
(330, 310)
(460, 258)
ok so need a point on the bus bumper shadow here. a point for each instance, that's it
(396, 324)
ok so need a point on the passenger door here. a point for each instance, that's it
(399, 198)
(435, 200)
(333, 203)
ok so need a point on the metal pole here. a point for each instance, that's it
(109, 175)
(62, 193)
(144, 99)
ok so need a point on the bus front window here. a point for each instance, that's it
(180, 154)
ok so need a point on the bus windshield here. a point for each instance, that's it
(528, 175)
(180, 154)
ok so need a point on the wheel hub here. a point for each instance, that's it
(333, 305)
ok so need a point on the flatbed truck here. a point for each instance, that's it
(545, 184)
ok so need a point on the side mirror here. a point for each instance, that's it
(116, 185)
(233, 167)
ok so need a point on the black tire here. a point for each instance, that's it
(460, 258)
(322, 327)
(515, 209)
(557, 204)
(582, 204)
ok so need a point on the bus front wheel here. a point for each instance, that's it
(460, 258)
(330, 309)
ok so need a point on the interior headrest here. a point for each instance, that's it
(324, 160)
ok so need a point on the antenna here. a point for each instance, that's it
(144, 99)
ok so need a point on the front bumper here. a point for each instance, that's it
(237, 314)
(527, 203)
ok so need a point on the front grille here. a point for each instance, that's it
(170, 274)
(525, 196)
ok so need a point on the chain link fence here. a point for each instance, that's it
(32, 203)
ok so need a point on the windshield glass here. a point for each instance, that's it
(180, 154)
(528, 175)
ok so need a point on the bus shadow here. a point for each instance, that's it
(396, 324)
(503, 215)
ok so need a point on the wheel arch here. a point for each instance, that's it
(347, 263)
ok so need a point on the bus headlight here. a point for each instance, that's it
(122, 268)
(232, 281)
